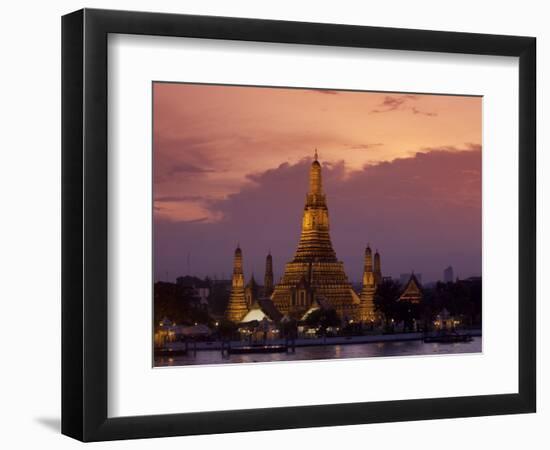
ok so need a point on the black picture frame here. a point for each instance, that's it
(84, 224)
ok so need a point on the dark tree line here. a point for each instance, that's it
(218, 299)
(178, 303)
(395, 311)
(323, 319)
(461, 299)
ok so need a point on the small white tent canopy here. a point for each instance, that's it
(255, 314)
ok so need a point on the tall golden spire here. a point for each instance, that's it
(315, 268)
(368, 259)
(315, 181)
(315, 241)
(368, 274)
(237, 308)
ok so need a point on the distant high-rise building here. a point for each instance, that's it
(448, 275)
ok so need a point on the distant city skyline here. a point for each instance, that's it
(401, 172)
(402, 277)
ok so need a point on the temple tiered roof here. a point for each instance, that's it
(315, 270)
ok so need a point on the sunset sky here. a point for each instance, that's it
(401, 171)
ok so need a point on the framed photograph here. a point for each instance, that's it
(272, 224)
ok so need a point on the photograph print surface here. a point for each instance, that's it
(303, 224)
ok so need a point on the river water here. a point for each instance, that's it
(366, 350)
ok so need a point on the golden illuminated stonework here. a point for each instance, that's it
(237, 307)
(366, 308)
(315, 273)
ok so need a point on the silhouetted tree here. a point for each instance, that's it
(462, 298)
(289, 328)
(429, 308)
(407, 313)
(323, 318)
(386, 301)
(178, 303)
(218, 298)
(227, 329)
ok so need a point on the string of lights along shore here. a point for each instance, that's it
(315, 278)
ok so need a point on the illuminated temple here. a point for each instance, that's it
(237, 306)
(314, 278)
(315, 274)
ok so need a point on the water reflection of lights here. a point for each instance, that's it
(325, 353)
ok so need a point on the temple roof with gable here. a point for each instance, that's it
(413, 290)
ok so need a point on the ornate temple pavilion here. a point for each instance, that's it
(412, 292)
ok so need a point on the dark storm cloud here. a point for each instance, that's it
(422, 213)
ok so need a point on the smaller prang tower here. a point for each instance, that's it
(268, 278)
(370, 275)
(237, 308)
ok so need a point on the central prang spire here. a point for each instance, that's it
(315, 180)
(315, 275)
(315, 244)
